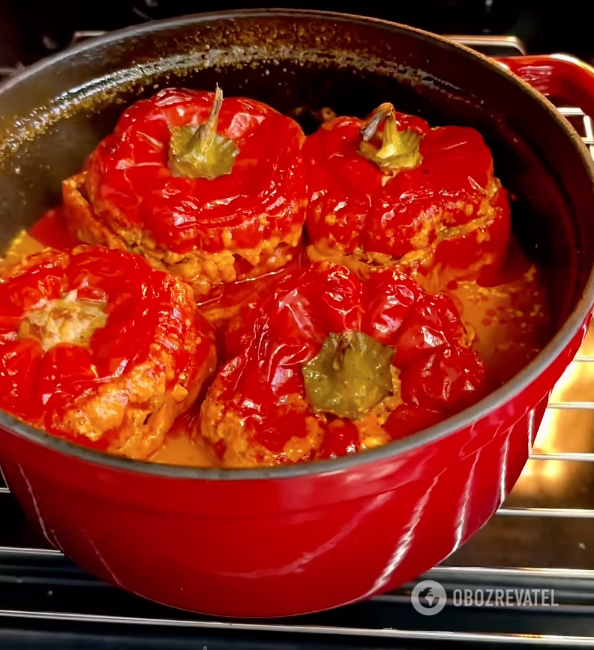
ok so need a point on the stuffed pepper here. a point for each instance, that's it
(326, 365)
(393, 191)
(99, 348)
(211, 190)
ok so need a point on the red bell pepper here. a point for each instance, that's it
(211, 190)
(99, 348)
(324, 365)
(392, 190)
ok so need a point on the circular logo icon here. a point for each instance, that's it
(428, 597)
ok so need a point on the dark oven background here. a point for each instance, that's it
(29, 30)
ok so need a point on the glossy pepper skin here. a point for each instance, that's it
(99, 348)
(257, 411)
(209, 231)
(445, 219)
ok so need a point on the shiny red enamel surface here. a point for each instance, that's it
(558, 76)
(296, 534)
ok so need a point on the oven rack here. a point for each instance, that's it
(540, 539)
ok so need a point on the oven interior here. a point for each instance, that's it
(541, 539)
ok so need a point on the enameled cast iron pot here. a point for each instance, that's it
(275, 542)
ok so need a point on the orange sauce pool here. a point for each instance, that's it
(510, 319)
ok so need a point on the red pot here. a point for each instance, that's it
(283, 541)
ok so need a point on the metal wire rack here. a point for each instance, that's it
(541, 538)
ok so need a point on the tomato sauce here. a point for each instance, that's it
(508, 314)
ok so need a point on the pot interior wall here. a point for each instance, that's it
(51, 120)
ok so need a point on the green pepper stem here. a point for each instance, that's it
(199, 151)
(349, 376)
(345, 342)
(203, 138)
(390, 138)
(399, 149)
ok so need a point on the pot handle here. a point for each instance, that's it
(563, 78)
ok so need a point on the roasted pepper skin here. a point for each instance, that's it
(207, 231)
(118, 387)
(257, 411)
(444, 220)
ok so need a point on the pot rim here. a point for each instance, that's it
(466, 418)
